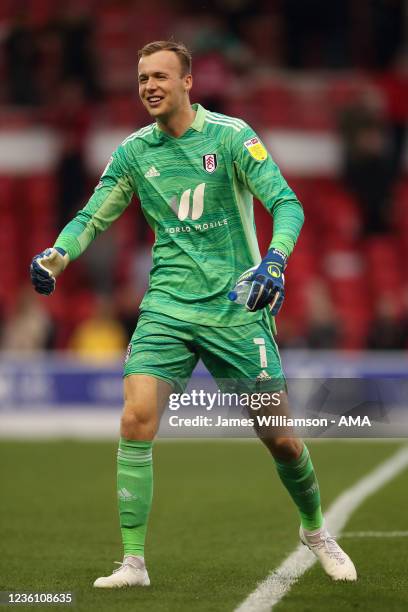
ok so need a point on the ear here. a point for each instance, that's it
(188, 82)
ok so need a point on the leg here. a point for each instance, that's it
(241, 354)
(158, 359)
(246, 355)
(294, 466)
(297, 474)
(145, 399)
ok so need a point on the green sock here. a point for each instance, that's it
(135, 492)
(300, 480)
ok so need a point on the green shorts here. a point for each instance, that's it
(240, 356)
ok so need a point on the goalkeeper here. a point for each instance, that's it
(195, 173)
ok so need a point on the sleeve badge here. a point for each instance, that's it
(256, 149)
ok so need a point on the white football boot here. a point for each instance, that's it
(335, 562)
(132, 572)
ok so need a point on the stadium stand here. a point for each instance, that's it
(357, 268)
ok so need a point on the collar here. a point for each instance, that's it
(199, 119)
(197, 124)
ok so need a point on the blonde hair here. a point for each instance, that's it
(179, 49)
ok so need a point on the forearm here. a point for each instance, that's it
(104, 207)
(288, 218)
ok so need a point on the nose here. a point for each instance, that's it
(151, 84)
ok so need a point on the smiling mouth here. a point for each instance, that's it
(154, 100)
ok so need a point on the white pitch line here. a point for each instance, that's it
(374, 534)
(275, 586)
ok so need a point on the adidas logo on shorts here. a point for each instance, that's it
(152, 172)
(263, 376)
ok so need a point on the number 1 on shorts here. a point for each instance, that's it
(262, 351)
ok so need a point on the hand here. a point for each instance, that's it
(268, 283)
(45, 267)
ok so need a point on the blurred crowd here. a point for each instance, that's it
(71, 66)
(47, 43)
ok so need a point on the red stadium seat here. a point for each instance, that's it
(40, 193)
(7, 192)
(400, 210)
(274, 104)
(353, 330)
(339, 212)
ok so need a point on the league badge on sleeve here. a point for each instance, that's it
(210, 162)
(256, 149)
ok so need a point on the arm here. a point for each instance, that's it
(111, 197)
(257, 171)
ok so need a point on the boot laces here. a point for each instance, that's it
(332, 548)
(123, 564)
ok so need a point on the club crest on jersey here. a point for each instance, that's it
(256, 149)
(210, 162)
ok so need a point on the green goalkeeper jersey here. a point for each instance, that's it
(196, 192)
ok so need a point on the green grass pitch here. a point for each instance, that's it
(220, 523)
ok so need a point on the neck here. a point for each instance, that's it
(178, 123)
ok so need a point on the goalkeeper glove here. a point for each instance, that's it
(45, 268)
(268, 283)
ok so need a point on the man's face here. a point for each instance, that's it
(162, 88)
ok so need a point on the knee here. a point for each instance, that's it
(285, 449)
(137, 423)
